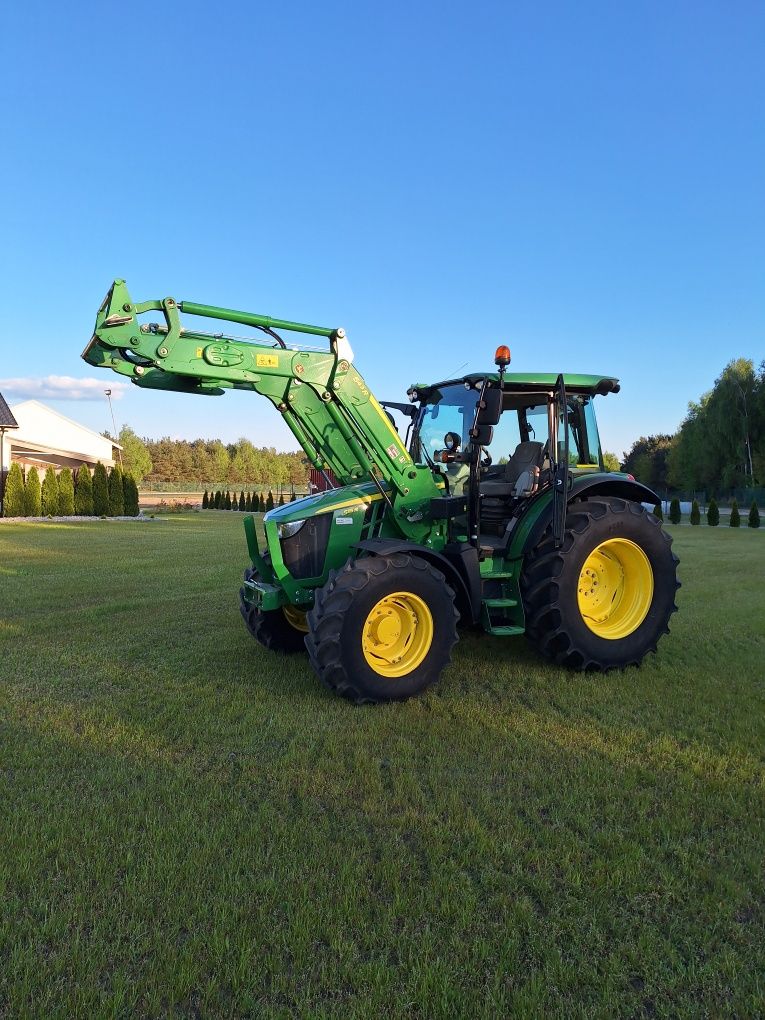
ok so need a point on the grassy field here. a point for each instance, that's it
(190, 826)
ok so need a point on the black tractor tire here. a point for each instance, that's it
(272, 629)
(353, 648)
(554, 581)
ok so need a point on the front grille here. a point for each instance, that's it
(304, 553)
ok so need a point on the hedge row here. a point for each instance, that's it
(103, 495)
(250, 502)
(713, 514)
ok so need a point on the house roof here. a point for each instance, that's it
(7, 421)
(51, 411)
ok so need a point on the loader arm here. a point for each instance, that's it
(322, 398)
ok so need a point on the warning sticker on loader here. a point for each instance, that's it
(267, 360)
(392, 451)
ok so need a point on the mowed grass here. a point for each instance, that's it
(191, 826)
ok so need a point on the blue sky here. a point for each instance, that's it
(583, 182)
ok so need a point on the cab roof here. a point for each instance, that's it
(593, 384)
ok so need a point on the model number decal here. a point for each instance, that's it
(343, 520)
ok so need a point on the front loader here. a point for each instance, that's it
(494, 510)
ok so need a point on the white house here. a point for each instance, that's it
(46, 437)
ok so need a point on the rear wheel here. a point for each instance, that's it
(382, 628)
(604, 599)
(278, 630)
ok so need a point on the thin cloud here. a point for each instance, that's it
(62, 387)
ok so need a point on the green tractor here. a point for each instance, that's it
(493, 510)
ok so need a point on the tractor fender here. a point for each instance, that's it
(459, 567)
(600, 485)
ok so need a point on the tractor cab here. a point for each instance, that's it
(498, 440)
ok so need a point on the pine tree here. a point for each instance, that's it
(66, 493)
(754, 515)
(248, 503)
(675, 514)
(116, 493)
(100, 491)
(269, 501)
(735, 516)
(658, 512)
(130, 490)
(204, 500)
(33, 494)
(83, 493)
(13, 501)
(695, 513)
(49, 493)
(281, 499)
(713, 513)
(241, 501)
(227, 503)
(261, 503)
(218, 499)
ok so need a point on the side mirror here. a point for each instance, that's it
(490, 409)
(481, 435)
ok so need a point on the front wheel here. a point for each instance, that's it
(278, 630)
(604, 598)
(382, 628)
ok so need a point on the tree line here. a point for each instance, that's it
(720, 445)
(251, 502)
(104, 494)
(202, 461)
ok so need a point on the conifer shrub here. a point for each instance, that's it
(248, 503)
(281, 499)
(695, 513)
(83, 493)
(293, 497)
(33, 494)
(66, 493)
(754, 516)
(100, 491)
(14, 504)
(735, 516)
(130, 492)
(658, 512)
(675, 514)
(241, 501)
(216, 500)
(204, 500)
(713, 513)
(49, 493)
(227, 502)
(116, 493)
(269, 501)
(261, 504)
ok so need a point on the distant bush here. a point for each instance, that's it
(218, 500)
(754, 516)
(735, 516)
(100, 491)
(713, 513)
(248, 503)
(695, 513)
(66, 493)
(675, 513)
(175, 508)
(658, 512)
(269, 501)
(33, 494)
(83, 493)
(13, 502)
(241, 502)
(49, 493)
(204, 501)
(227, 501)
(116, 493)
(130, 491)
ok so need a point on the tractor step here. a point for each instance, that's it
(503, 603)
(507, 631)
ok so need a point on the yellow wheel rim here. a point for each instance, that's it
(397, 634)
(615, 589)
(296, 618)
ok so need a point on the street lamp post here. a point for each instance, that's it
(114, 425)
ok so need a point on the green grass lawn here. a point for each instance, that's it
(190, 826)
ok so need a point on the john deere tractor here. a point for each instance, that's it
(493, 509)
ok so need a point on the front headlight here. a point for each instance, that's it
(289, 529)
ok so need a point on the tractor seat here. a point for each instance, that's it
(519, 475)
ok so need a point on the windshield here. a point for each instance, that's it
(451, 409)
